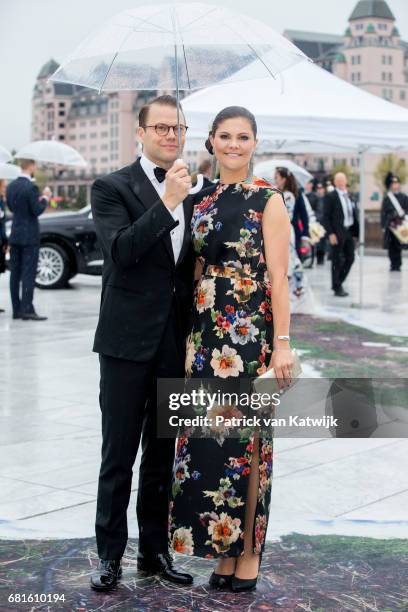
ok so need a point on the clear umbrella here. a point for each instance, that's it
(9, 171)
(5, 156)
(175, 47)
(52, 152)
(266, 170)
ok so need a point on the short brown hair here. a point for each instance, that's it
(26, 163)
(164, 101)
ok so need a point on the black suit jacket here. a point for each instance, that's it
(23, 199)
(333, 217)
(139, 277)
(388, 214)
(3, 235)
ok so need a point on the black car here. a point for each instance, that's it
(68, 247)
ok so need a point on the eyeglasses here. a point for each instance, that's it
(162, 129)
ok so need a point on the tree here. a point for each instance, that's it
(390, 163)
(352, 178)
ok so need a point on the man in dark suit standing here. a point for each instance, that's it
(142, 215)
(26, 205)
(341, 223)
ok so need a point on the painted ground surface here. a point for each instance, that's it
(312, 573)
(336, 348)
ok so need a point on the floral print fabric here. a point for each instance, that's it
(231, 338)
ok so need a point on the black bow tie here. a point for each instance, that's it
(160, 173)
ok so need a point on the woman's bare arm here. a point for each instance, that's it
(276, 234)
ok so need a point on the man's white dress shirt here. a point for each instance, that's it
(176, 234)
(347, 206)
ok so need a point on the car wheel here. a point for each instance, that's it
(53, 269)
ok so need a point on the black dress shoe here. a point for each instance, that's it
(16, 315)
(33, 316)
(106, 576)
(220, 581)
(395, 269)
(340, 292)
(2, 310)
(162, 565)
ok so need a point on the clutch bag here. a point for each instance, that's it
(267, 383)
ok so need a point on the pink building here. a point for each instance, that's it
(371, 55)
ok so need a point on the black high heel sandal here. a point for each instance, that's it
(220, 581)
(239, 585)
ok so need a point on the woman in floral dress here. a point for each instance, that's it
(241, 231)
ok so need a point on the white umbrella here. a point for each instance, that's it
(9, 171)
(266, 170)
(52, 152)
(5, 156)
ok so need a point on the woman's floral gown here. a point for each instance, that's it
(231, 337)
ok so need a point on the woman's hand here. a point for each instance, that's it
(282, 361)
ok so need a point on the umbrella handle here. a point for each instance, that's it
(198, 186)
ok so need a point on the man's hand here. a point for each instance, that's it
(333, 239)
(178, 184)
(47, 193)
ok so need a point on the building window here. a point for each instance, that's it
(61, 113)
(61, 104)
(403, 94)
(353, 59)
(390, 77)
(94, 135)
(61, 125)
(61, 137)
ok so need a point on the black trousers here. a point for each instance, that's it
(342, 258)
(394, 252)
(128, 404)
(23, 270)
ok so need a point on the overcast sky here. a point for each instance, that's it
(32, 31)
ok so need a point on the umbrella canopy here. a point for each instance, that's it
(180, 46)
(5, 156)
(9, 171)
(267, 169)
(52, 152)
(306, 104)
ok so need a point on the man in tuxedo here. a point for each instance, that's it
(341, 223)
(24, 202)
(142, 215)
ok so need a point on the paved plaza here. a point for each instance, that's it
(50, 423)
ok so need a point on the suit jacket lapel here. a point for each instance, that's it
(147, 195)
(188, 211)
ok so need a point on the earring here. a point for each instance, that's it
(250, 174)
(214, 168)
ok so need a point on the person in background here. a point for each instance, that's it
(300, 294)
(23, 199)
(322, 244)
(329, 186)
(310, 193)
(286, 182)
(3, 235)
(394, 208)
(341, 224)
(205, 168)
